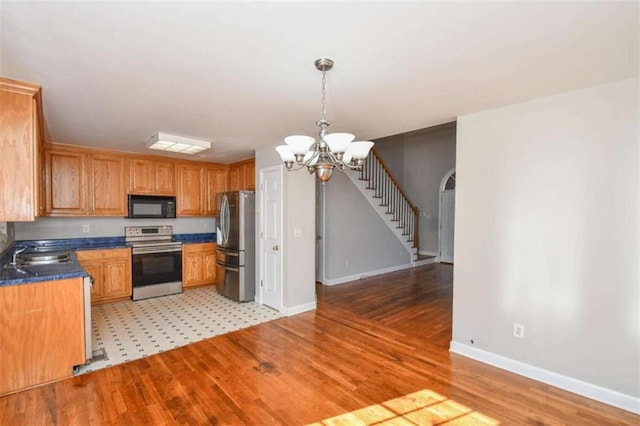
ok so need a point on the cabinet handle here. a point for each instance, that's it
(276, 248)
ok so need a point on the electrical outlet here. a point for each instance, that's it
(518, 330)
(85, 228)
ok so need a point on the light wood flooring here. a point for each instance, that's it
(374, 352)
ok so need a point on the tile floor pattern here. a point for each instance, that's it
(131, 330)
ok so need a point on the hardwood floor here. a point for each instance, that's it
(374, 351)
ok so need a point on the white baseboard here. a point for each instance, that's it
(362, 275)
(293, 310)
(428, 253)
(607, 396)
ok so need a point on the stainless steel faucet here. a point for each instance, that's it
(14, 257)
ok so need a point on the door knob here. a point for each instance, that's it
(276, 248)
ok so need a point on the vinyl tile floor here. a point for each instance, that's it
(131, 330)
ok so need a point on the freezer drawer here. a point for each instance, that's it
(236, 283)
(230, 257)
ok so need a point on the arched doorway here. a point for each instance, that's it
(447, 216)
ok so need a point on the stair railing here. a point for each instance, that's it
(385, 187)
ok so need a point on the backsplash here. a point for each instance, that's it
(75, 227)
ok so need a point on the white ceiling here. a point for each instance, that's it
(241, 73)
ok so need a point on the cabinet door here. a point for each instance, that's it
(210, 265)
(164, 178)
(108, 194)
(141, 176)
(192, 269)
(190, 190)
(216, 182)
(235, 175)
(117, 280)
(250, 175)
(19, 158)
(94, 270)
(65, 183)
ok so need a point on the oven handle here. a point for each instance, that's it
(228, 268)
(151, 250)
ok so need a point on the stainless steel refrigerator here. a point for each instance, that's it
(235, 252)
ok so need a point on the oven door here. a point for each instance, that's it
(149, 268)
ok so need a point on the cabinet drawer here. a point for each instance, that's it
(86, 255)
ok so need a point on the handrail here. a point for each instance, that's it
(386, 187)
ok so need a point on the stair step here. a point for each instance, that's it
(376, 196)
(383, 205)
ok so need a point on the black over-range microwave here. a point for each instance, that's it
(151, 207)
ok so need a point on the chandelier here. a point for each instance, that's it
(331, 151)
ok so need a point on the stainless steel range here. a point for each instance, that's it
(156, 267)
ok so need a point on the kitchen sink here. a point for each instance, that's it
(48, 258)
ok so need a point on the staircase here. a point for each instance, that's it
(381, 189)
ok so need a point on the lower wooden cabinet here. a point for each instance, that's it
(42, 332)
(198, 264)
(111, 273)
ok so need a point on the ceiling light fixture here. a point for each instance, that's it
(179, 144)
(335, 150)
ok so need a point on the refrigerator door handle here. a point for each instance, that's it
(225, 219)
(228, 268)
(233, 253)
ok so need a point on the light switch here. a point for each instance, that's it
(297, 232)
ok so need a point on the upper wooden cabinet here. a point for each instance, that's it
(198, 184)
(191, 190)
(242, 175)
(80, 182)
(217, 178)
(107, 179)
(65, 183)
(21, 135)
(153, 177)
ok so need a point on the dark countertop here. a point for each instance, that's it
(195, 238)
(11, 275)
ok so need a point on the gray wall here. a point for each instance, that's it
(71, 227)
(419, 160)
(547, 231)
(356, 240)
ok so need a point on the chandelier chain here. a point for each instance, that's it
(324, 95)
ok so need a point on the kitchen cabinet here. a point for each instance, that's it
(65, 183)
(80, 183)
(198, 184)
(190, 190)
(242, 175)
(21, 136)
(198, 265)
(42, 332)
(111, 273)
(216, 178)
(107, 185)
(153, 177)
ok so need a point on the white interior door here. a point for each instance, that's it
(271, 237)
(447, 216)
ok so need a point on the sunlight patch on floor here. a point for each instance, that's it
(424, 407)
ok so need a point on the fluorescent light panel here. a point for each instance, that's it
(172, 143)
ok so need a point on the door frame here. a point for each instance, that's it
(260, 239)
(440, 191)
